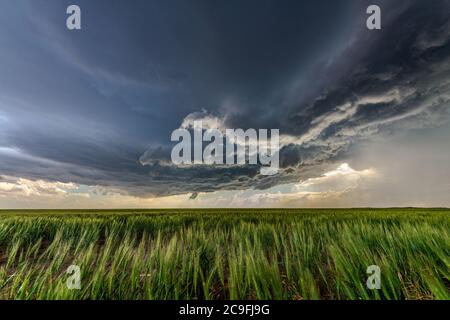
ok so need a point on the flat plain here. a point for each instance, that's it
(225, 254)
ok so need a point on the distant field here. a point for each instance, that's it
(225, 254)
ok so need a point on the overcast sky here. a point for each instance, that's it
(86, 115)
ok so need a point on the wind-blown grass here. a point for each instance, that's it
(226, 254)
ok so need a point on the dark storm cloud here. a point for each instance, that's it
(395, 78)
(97, 106)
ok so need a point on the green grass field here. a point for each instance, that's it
(225, 254)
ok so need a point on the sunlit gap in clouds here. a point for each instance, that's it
(50, 194)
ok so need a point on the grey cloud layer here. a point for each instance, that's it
(98, 107)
